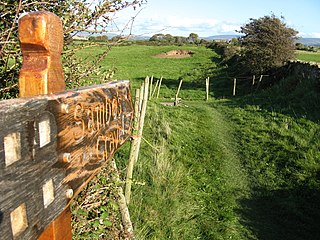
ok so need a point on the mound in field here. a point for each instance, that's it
(176, 54)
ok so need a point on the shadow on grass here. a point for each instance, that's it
(283, 214)
(174, 83)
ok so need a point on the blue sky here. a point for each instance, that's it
(216, 17)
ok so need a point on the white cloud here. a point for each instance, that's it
(190, 22)
(228, 28)
(180, 26)
(310, 35)
(315, 35)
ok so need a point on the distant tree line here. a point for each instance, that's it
(300, 46)
(163, 39)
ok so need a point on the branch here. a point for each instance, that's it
(12, 27)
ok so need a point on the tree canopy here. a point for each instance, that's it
(76, 15)
(267, 43)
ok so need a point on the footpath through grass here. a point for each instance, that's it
(192, 176)
(238, 168)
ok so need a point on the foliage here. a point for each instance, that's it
(193, 38)
(168, 39)
(267, 43)
(76, 15)
(227, 50)
(95, 211)
(100, 38)
(300, 46)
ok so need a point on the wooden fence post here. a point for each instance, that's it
(135, 146)
(177, 94)
(234, 86)
(207, 88)
(41, 38)
(132, 159)
(151, 87)
(159, 87)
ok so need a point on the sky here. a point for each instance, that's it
(217, 17)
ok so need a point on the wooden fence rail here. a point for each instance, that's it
(52, 145)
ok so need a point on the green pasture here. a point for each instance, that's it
(230, 168)
(308, 56)
(136, 62)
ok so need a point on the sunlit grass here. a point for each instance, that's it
(309, 56)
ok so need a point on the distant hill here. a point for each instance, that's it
(221, 37)
(309, 41)
(305, 41)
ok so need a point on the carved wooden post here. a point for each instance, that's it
(52, 144)
(41, 39)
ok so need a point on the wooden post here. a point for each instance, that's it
(49, 153)
(41, 38)
(260, 79)
(135, 147)
(155, 88)
(234, 86)
(132, 160)
(207, 88)
(151, 87)
(176, 98)
(159, 87)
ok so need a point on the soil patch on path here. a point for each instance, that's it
(176, 54)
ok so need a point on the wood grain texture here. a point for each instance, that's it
(41, 39)
(95, 124)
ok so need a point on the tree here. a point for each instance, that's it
(76, 15)
(193, 38)
(267, 43)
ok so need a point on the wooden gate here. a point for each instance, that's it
(52, 141)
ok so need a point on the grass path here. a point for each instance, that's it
(194, 181)
(220, 170)
(239, 168)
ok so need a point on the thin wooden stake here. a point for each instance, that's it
(150, 88)
(234, 86)
(207, 88)
(141, 97)
(134, 141)
(155, 88)
(125, 215)
(134, 153)
(260, 79)
(253, 79)
(159, 87)
(176, 98)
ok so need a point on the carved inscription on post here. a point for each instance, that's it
(51, 146)
(92, 125)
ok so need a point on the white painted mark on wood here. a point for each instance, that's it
(19, 221)
(48, 193)
(44, 132)
(12, 148)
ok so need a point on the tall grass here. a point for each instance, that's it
(238, 168)
(192, 175)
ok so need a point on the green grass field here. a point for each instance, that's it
(237, 168)
(308, 56)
